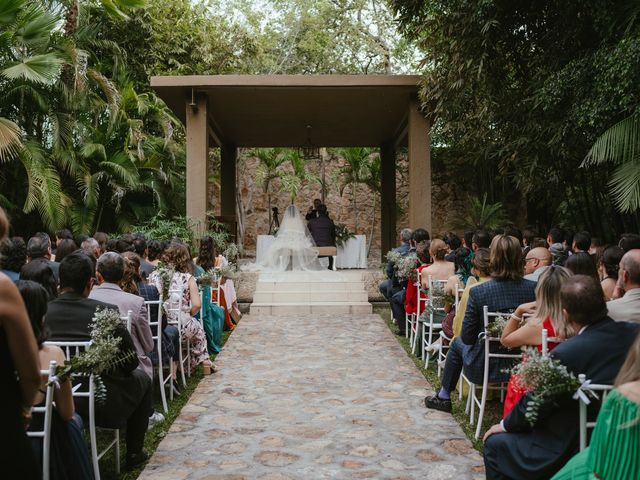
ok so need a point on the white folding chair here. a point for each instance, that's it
(430, 329)
(46, 411)
(442, 348)
(71, 349)
(584, 423)
(127, 319)
(173, 307)
(488, 356)
(165, 381)
(411, 319)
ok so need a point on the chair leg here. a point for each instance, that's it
(117, 451)
(163, 394)
(483, 402)
(93, 442)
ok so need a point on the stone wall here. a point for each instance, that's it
(364, 219)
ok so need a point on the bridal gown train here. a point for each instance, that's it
(293, 248)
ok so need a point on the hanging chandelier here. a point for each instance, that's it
(309, 151)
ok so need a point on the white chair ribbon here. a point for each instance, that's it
(55, 380)
(581, 393)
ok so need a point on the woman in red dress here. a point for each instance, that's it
(546, 313)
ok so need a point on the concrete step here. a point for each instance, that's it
(282, 296)
(308, 286)
(359, 308)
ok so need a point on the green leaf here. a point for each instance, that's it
(620, 143)
(9, 10)
(625, 186)
(43, 69)
(10, 139)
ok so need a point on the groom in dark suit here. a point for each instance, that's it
(516, 450)
(323, 230)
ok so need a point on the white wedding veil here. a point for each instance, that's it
(293, 247)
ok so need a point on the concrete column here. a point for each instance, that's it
(419, 169)
(197, 156)
(228, 154)
(388, 198)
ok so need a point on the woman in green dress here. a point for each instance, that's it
(615, 444)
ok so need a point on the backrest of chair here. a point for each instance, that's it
(155, 326)
(603, 390)
(47, 411)
(457, 295)
(418, 291)
(488, 317)
(173, 305)
(439, 285)
(215, 287)
(127, 319)
(71, 349)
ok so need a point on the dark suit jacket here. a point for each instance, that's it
(323, 231)
(538, 452)
(146, 267)
(69, 317)
(499, 296)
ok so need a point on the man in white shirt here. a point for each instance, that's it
(627, 308)
(536, 262)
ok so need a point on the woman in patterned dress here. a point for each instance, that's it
(177, 257)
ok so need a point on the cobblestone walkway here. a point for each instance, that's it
(325, 397)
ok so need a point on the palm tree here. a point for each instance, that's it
(481, 215)
(269, 168)
(354, 172)
(620, 145)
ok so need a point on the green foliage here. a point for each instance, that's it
(343, 235)
(481, 215)
(520, 91)
(621, 145)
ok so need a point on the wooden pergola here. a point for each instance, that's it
(232, 111)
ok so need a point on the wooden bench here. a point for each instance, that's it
(329, 252)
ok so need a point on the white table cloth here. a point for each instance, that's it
(353, 254)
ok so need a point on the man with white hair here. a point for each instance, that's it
(627, 308)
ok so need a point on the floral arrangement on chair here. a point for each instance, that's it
(496, 327)
(546, 379)
(438, 300)
(214, 274)
(103, 355)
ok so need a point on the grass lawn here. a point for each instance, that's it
(158, 432)
(493, 412)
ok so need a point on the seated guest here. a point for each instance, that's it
(514, 448)
(467, 239)
(539, 242)
(481, 271)
(177, 257)
(91, 247)
(140, 247)
(596, 246)
(481, 239)
(546, 314)
(528, 236)
(453, 243)
(629, 241)
(627, 308)
(536, 261)
(132, 282)
(155, 249)
(19, 378)
(608, 265)
(503, 293)
(64, 234)
(41, 273)
(397, 299)
(65, 247)
(387, 288)
(555, 240)
(581, 263)
(440, 269)
(581, 242)
(13, 255)
(513, 231)
(109, 272)
(323, 230)
(69, 457)
(411, 299)
(81, 237)
(39, 249)
(102, 239)
(613, 449)
(69, 318)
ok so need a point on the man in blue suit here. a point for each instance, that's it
(503, 293)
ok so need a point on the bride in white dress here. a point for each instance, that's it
(293, 247)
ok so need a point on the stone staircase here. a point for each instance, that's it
(297, 293)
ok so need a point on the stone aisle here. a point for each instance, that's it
(313, 397)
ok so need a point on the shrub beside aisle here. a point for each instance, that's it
(159, 431)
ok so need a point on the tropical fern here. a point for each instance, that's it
(481, 215)
(620, 145)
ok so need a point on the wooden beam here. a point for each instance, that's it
(388, 198)
(419, 169)
(197, 156)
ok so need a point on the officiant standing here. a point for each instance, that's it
(323, 230)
